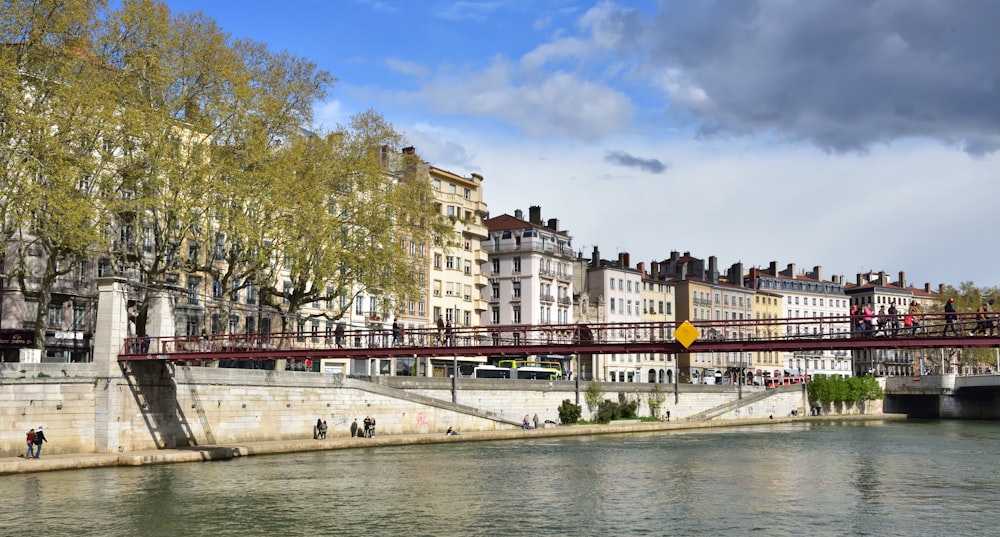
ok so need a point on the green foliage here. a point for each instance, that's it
(826, 389)
(569, 412)
(593, 396)
(624, 408)
(655, 401)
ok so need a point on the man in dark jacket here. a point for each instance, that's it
(39, 438)
(949, 317)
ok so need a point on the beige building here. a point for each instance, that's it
(658, 306)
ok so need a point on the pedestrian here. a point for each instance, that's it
(535, 419)
(316, 428)
(371, 430)
(31, 445)
(440, 326)
(912, 314)
(881, 322)
(856, 320)
(949, 317)
(395, 333)
(354, 428)
(322, 430)
(39, 438)
(448, 334)
(339, 334)
(868, 320)
(893, 318)
(526, 424)
(451, 432)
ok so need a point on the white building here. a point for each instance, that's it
(530, 273)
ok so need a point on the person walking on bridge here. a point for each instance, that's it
(949, 317)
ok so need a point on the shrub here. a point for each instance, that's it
(569, 412)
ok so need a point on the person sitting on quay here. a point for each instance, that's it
(451, 432)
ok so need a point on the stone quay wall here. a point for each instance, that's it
(158, 405)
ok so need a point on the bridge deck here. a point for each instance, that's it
(786, 335)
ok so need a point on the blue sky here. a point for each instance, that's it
(855, 135)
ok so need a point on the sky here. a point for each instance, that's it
(855, 135)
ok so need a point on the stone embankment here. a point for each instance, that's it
(70, 461)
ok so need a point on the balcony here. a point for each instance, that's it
(547, 298)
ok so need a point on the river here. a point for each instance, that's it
(911, 478)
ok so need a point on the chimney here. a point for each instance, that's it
(554, 224)
(859, 279)
(791, 270)
(626, 260)
(902, 280)
(773, 268)
(940, 288)
(882, 280)
(654, 269)
(410, 150)
(927, 287)
(818, 273)
(641, 267)
(519, 214)
(595, 258)
(713, 269)
(535, 215)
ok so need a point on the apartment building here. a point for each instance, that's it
(767, 310)
(816, 307)
(530, 272)
(658, 306)
(707, 299)
(612, 293)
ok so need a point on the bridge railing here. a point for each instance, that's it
(777, 329)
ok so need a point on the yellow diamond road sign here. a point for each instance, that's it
(686, 333)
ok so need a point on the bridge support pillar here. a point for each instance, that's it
(160, 319)
(111, 332)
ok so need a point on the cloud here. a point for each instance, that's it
(551, 104)
(841, 75)
(650, 165)
(467, 10)
(329, 114)
(407, 68)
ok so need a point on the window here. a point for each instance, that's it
(437, 261)
(192, 290)
(450, 210)
(612, 283)
(468, 193)
(517, 264)
(467, 268)
(495, 288)
(55, 317)
(450, 262)
(216, 289)
(359, 305)
(516, 314)
(517, 289)
(496, 266)
(612, 304)
(495, 314)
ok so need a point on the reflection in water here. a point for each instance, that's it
(790, 479)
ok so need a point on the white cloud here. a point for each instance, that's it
(329, 114)
(407, 68)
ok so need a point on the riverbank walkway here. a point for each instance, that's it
(73, 461)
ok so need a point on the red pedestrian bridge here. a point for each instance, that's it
(749, 335)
